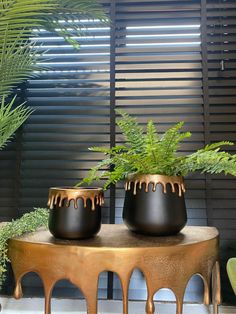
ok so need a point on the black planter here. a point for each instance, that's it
(75, 213)
(150, 211)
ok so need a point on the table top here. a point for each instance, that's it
(118, 236)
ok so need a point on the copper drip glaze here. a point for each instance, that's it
(58, 195)
(176, 182)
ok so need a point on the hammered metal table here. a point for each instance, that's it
(166, 262)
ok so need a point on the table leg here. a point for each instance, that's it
(47, 308)
(179, 305)
(18, 274)
(125, 291)
(18, 289)
(91, 297)
(216, 287)
(48, 287)
(206, 298)
(150, 307)
(179, 294)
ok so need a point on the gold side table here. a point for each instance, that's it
(166, 262)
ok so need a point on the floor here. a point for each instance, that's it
(35, 306)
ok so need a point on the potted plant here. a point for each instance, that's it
(20, 59)
(149, 162)
(75, 213)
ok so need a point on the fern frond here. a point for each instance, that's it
(95, 173)
(151, 141)
(118, 174)
(150, 154)
(217, 145)
(108, 151)
(171, 139)
(209, 161)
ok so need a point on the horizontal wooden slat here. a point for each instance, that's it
(158, 76)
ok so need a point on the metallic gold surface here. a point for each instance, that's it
(58, 195)
(166, 262)
(155, 179)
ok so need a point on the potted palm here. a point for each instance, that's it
(20, 20)
(153, 172)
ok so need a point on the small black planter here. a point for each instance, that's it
(75, 213)
(155, 205)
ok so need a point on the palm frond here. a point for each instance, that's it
(18, 53)
(18, 61)
(11, 119)
(56, 16)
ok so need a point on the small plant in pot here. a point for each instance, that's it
(149, 162)
(75, 213)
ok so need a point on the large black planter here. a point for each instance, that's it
(155, 205)
(75, 213)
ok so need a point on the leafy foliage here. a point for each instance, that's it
(11, 119)
(19, 57)
(152, 153)
(132, 131)
(18, 19)
(27, 223)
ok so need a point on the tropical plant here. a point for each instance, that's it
(11, 119)
(27, 223)
(152, 153)
(20, 20)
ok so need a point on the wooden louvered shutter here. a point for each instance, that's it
(159, 77)
(170, 61)
(221, 103)
(71, 103)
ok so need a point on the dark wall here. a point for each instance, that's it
(168, 61)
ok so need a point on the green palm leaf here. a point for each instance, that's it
(18, 54)
(17, 62)
(11, 119)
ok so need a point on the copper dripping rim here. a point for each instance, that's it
(75, 188)
(138, 179)
(60, 194)
(136, 175)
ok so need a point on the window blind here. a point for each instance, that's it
(71, 103)
(221, 55)
(159, 77)
(171, 61)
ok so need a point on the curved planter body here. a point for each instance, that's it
(154, 212)
(77, 215)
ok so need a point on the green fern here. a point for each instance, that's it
(96, 173)
(151, 141)
(215, 146)
(171, 139)
(132, 131)
(151, 153)
(210, 161)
